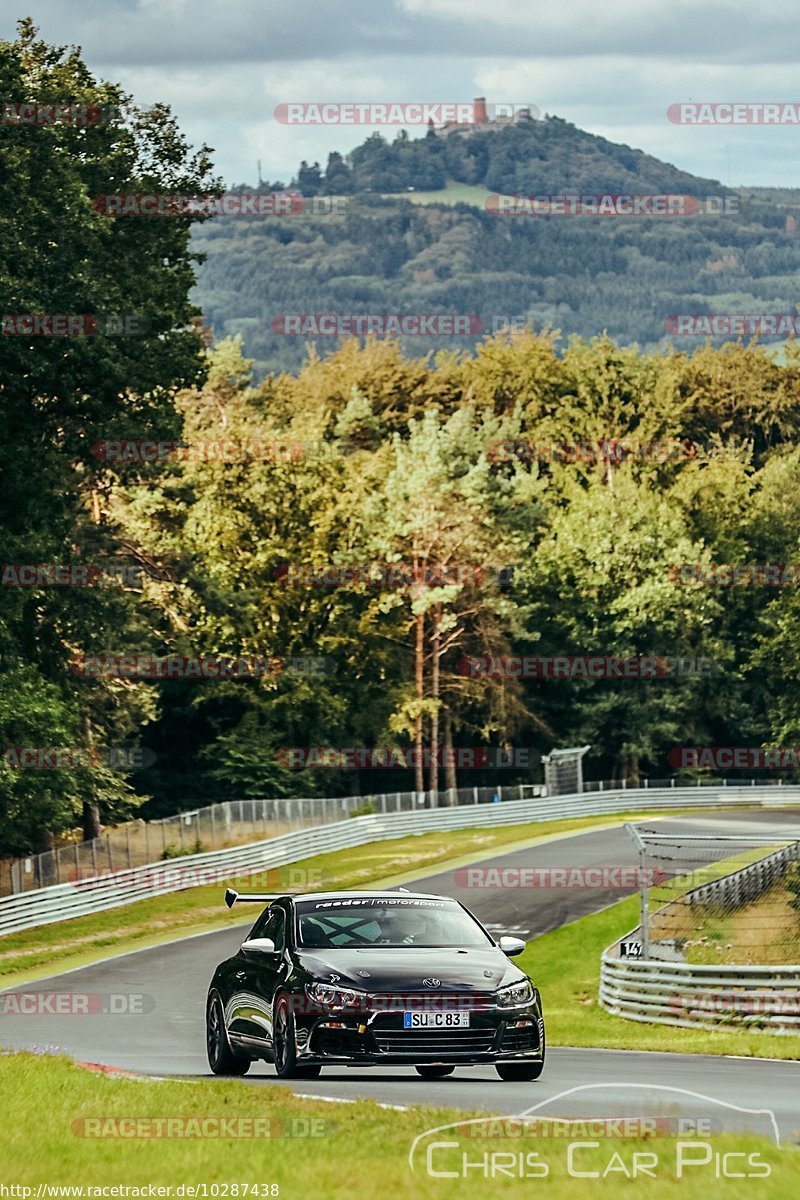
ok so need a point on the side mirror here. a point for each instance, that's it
(511, 946)
(259, 946)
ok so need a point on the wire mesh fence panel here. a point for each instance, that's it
(718, 899)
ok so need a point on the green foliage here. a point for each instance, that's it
(60, 396)
(171, 850)
(793, 884)
(398, 469)
(364, 810)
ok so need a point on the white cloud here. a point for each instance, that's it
(612, 68)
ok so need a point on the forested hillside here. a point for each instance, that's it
(579, 274)
(549, 155)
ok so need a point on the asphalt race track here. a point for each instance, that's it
(167, 1039)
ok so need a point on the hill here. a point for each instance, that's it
(442, 249)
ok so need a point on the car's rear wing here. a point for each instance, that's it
(232, 897)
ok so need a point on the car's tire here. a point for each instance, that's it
(519, 1072)
(284, 1046)
(221, 1058)
(431, 1071)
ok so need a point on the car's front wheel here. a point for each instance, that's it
(519, 1072)
(221, 1058)
(434, 1072)
(285, 1045)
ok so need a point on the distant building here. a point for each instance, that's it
(483, 122)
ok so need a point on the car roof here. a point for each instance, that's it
(347, 895)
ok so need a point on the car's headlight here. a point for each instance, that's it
(516, 994)
(335, 997)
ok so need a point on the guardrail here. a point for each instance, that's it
(748, 883)
(114, 889)
(701, 996)
(708, 995)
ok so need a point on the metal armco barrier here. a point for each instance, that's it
(63, 901)
(701, 996)
(709, 995)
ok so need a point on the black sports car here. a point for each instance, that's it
(364, 978)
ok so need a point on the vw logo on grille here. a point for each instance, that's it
(432, 982)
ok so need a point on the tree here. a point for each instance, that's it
(309, 179)
(62, 396)
(440, 511)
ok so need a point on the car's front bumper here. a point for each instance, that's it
(493, 1036)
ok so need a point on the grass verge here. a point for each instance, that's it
(357, 1149)
(764, 931)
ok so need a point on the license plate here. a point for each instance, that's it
(435, 1020)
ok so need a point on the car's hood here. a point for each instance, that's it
(398, 968)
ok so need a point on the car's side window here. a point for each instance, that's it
(270, 924)
(275, 928)
(258, 928)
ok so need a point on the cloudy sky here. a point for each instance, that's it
(612, 68)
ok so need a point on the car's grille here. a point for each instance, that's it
(520, 1037)
(434, 1041)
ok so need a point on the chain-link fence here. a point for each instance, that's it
(138, 843)
(718, 899)
(705, 781)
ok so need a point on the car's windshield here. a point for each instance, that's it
(386, 922)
